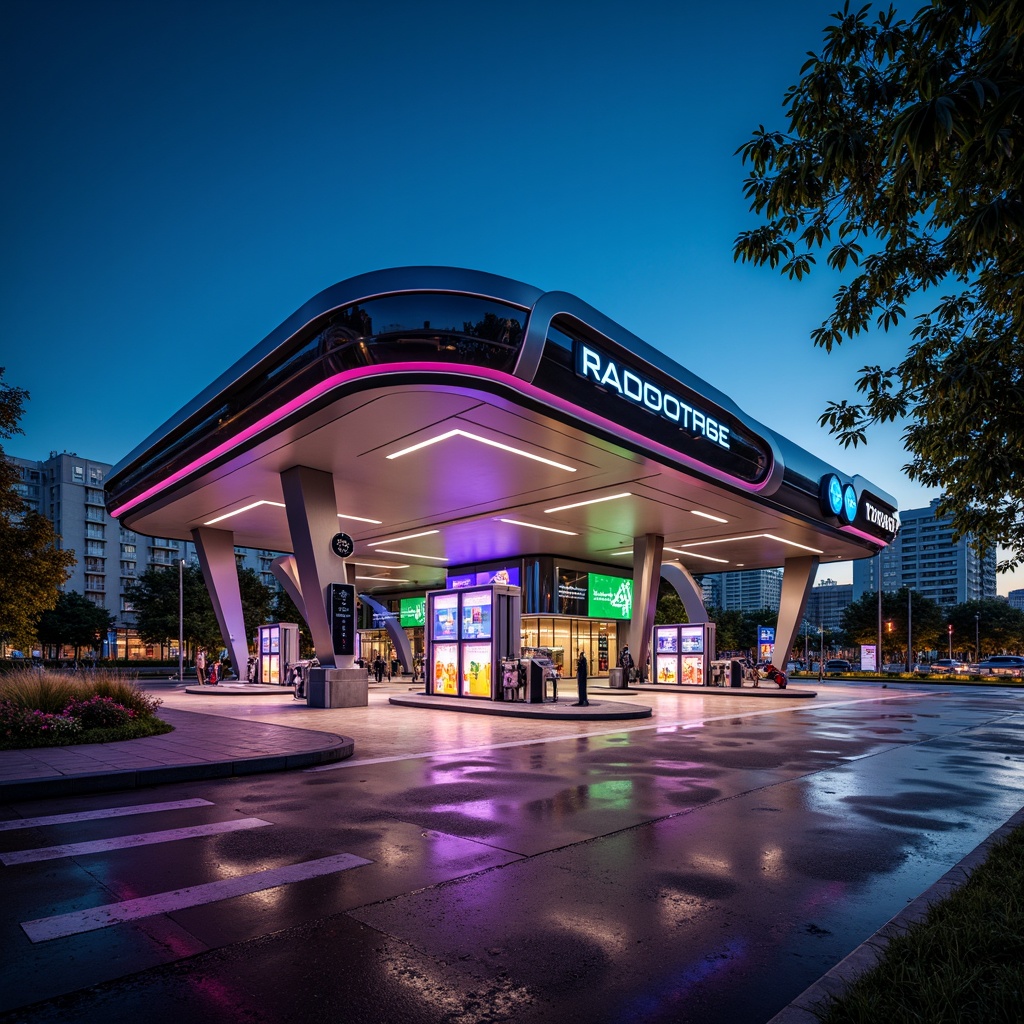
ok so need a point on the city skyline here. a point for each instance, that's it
(180, 184)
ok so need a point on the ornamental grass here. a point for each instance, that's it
(43, 708)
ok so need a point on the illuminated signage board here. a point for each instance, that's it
(413, 612)
(611, 597)
(508, 575)
(594, 365)
(446, 609)
(573, 592)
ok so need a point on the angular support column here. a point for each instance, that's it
(216, 550)
(647, 552)
(285, 572)
(689, 590)
(312, 512)
(797, 580)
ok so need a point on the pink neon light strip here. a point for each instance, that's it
(446, 368)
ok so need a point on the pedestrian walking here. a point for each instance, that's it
(201, 665)
(581, 681)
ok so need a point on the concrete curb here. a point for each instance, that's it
(869, 952)
(562, 710)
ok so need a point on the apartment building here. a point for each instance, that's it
(68, 490)
(925, 557)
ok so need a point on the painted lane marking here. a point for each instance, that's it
(658, 726)
(129, 842)
(62, 925)
(105, 812)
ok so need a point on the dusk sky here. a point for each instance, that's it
(178, 179)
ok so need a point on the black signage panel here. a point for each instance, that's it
(343, 618)
(573, 592)
(342, 545)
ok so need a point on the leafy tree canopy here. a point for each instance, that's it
(154, 597)
(927, 621)
(903, 164)
(74, 621)
(32, 569)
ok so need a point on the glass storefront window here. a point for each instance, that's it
(565, 636)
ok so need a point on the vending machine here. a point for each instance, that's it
(277, 648)
(682, 653)
(468, 633)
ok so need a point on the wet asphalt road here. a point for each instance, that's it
(705, 871)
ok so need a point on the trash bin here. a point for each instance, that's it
(616, 679)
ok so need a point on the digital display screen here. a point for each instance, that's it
(413, 612)
(691, 639)
(446, 609)
(476, 615)
(611, 597)
(508, 576)
(666, 640)
(691, 670)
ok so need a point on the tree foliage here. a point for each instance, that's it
(32, 568)
(927, 621)
(154, 598)
(903, 164)
(74, 621)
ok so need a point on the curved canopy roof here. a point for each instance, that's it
(467, 417)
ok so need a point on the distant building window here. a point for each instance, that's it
(78, 474)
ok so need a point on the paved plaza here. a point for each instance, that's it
(707, 864)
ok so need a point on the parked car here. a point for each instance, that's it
(837, 666)
(1000, 665)
(947, 666)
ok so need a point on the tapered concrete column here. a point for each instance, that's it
(312, 512)
(647, 552)
(689, 590)
(797, 580)
(216, 550)
(285, 572)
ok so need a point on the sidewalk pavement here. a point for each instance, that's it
(201, 747)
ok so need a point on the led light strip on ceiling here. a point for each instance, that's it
(280, 504)
(534, 526)
(480, 440)
(593, 501)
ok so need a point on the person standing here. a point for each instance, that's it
(627, 664)
(581, 681)
(201, 665)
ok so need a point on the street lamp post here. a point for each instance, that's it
(181, 619)
(949, 630)
(910, 645)
(977, 646)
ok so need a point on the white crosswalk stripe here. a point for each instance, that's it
(127, 842)
(61, 925)
(103, 812)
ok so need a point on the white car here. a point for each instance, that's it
(947, 666)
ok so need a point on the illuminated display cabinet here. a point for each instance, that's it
(469, 632)
(682, 653)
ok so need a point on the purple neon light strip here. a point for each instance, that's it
(447, 368)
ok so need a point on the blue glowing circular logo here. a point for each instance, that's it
(849, 503)
(835, 495)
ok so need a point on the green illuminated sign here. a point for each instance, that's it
(611, 597)
(413, 611)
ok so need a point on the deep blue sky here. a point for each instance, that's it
(180, 177)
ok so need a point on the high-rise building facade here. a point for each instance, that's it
(743, 591)
(826, 603)
(925, 558)
(68, 490)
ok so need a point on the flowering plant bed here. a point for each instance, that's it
(45, 709)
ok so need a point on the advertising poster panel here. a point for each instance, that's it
(869, 657)
(476, 615)
(691, 669)
(691, 639)
(446, 668)
(666, 640)
(445, 624)
(766, 643)
(476, 670)
(508, 575)
(666, 667)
